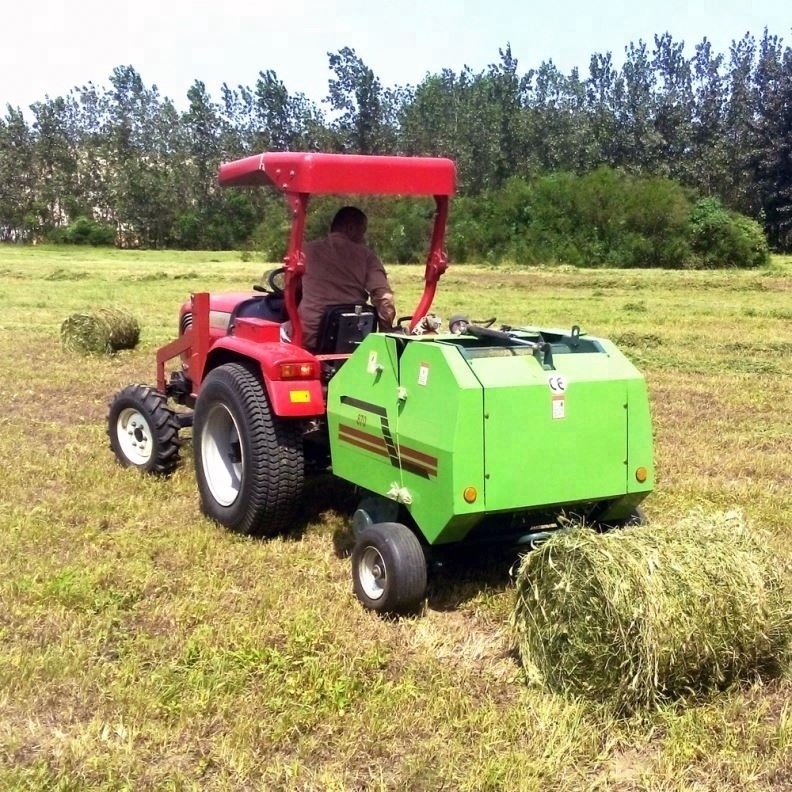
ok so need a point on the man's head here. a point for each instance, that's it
(350, 221)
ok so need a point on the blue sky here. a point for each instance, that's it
(49, 48)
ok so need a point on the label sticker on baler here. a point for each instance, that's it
(559, 408)
(423, 374)
(557, 386)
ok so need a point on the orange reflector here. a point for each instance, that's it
(470, 494)
(299, 396)
(641, 474)
(298, 370)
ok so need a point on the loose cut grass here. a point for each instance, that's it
(647, 614)
(102, 332)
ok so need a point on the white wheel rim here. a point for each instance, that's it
(372, 573)
(134, 436)
(222, 455)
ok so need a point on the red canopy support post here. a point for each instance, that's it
(294, 262)
(436, 261)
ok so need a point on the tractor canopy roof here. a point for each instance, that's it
(309, 173)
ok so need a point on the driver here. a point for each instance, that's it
(339, 268)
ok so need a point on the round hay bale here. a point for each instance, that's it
(648, 614)
(103, 331)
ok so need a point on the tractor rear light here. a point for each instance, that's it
(470, 494)
(308, 370)
(641, 474)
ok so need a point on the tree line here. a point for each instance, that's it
(121, 164)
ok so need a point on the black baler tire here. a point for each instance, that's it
(636, 518)
(404, 563)
(271, 455)
(160, 430)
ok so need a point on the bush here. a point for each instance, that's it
(604, 218)
(609, 218)
(84, 231)
(722, 238)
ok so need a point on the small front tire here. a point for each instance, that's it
(144, 430)
(389, 569)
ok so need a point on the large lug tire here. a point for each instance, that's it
(389, 569)
(144, 430)
(248, 462)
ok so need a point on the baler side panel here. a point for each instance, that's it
(442, 413)
(410, 427)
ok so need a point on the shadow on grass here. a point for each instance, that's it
(465, 573)
(456, 574)
(326, 500)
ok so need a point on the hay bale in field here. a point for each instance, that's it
(103, 331)
(648, 614)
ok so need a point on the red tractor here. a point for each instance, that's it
(229, 350)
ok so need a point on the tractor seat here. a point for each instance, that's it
(343, 327)
(267, 306)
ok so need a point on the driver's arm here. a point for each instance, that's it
(380, 291)
(386, 308)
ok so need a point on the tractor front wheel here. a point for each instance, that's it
(389, 568)
(248, 462)
(144, 430)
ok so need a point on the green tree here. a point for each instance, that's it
(673, 110)
(141, 135)
(57, 144)
(740, 138)
(17, 178)
(708, 167)
(604, 89)
(635, 111)
(773, 165)
(364, 109)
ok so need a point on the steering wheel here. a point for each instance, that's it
(276, 282)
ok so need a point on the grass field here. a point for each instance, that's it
(143, 647)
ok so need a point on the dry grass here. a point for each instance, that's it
(103, 331)
(141, 647)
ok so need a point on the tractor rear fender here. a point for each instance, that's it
(290, 374)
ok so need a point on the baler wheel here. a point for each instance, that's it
(636, 517)
(249, 462)
(389, 569)
(144, 430)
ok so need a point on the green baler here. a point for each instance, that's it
(489, 435)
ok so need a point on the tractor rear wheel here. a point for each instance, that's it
(389, 568)
(248, 462)
(144, 430)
